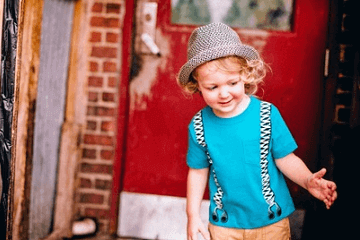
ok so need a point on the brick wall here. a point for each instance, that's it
(345, 81)
(346, 75)
(94, 176)
(343, 133)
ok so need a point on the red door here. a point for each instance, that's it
(159, 113)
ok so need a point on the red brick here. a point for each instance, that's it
(105, 22)
(104, 227)
(112, 37)
(89, 153)
(97, 213)
(95, 81)
(91, 111)
(107, 126)
(113, 8)
(95, 37)
(93, 97)
(106, 112)
(107, 154)
(112, 82)
(94, 67)
(101, 111)
(98, 140)
(108, 97)
(96, 168)
(109, 67)
(104, 52)
(91, 198)
(97, 7)
(103, 184)
(85, 183)
(91, 125)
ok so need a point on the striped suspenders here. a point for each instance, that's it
(265, 136)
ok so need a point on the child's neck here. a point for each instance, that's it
(244, 104)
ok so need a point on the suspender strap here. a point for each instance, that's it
(200, 137)
(265, 136)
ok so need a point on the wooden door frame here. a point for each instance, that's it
(328, 114)
(123, 113)
(25, 85)
(73, 125)
(25, 95)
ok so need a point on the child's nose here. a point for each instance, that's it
(224, 93)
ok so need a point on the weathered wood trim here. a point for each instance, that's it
(76, 87)
(1, 21)
(26, 77)
(69, 154)
(55, 235)
(50, 111)
(73, 125)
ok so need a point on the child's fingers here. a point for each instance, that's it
(334, 196)
(192, 237)
(329, 201)
(327, 204)
(332, 185)
(320, 174)
(332, 190)
(204, 232)
(192, 234)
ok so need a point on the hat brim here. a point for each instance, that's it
(243, 51)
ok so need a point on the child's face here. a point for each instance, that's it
(222, 90)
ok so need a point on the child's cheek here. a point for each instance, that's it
(209, 98)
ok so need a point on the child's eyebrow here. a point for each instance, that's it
(215, 83)
(209, 84)
(233, 79)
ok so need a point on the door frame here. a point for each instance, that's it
(123, 113)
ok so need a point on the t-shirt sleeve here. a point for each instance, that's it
(196, 154)
(283, 143)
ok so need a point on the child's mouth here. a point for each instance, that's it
(224, 103)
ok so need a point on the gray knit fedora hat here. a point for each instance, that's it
(210, 42)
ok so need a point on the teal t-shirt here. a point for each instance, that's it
(234, 146)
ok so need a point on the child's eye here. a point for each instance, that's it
(233, 83)
(212, 88)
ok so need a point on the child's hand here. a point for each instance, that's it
(322, 189)
(195, 226)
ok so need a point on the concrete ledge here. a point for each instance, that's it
(155, 217)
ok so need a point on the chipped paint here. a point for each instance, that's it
(141, 85)
(255, 38)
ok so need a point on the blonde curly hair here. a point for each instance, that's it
(252, 73)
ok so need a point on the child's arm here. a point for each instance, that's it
(196, 184)
(296, 170)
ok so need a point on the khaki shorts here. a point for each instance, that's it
(279, 231)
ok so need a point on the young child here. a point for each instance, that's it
(240, 144)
